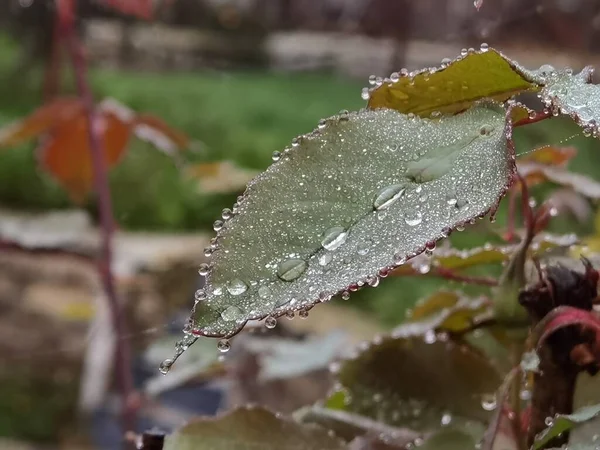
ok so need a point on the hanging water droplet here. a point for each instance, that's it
(199, 295)
(324, 297)
(289, 315)
(484, 47)
(236, 287)
(203, 269)
(232, 313)
(291, 269)
(270, 322)
(372, 79)
(399, 259)
(322, 124)
(549, 421)
(276, 156)
(325, 259)
(303, 313)
(224, 345)
(208, 251)
(218, 225)
(463, 52)
(165, 366)
(395, 77)
(430, 337)
(333, 238)
(365, 95)
(373, 281)
(345, 295)
(488, 402)
(446, 61)
(413, 218)
(388, 195)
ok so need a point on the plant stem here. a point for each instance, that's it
(123, 350)
(539, 116)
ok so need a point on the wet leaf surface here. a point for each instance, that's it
(455, 87)
(250, 429)
(420, 383)
(565, 422)
(334, 210)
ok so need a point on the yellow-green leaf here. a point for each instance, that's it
(455, 86)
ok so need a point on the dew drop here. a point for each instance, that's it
(372, 79)
(388, 195)
(423, 198)
(218, 225)
(413, 218)
(276, 156)
(363, 248)
(451, 198)
(236, 287)
(165, 366)
(291, 269)
(199, 295)
(208, 251)
(226, 214)
(549, 421)
(399, 259)
(224, 345)
(345, 295)
(446, 419)
(333, 238)
(430, 337)
(464, 52)
(270, 322)
(322, 124)
(290, 315)
(584, 113)
(203, 269)
(484, 47)
(325, 259)
(446, 61)
(264, 291)
(395, 77)
(303, 313)
(365, 95)
(488, 402)
(232, 313)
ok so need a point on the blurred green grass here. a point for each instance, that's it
(243, 117)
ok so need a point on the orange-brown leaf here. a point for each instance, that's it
(156, 131)
(549, 155)
(41, 121)
(66, 152)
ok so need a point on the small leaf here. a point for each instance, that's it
(40, 121)
(66, 152)
(341, 206)
(156, 131)
(455, 86)
(250, 429)
(220, 177)
(565, 422)
(549, 155)
(406, 381)
(452, 311)
(535, 173)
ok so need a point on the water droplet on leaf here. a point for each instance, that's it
(333, 238)
(291, 269)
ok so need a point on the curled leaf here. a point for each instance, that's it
(564, 422)
(454, 86)
(343, 206)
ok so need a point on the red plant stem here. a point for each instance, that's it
(123, 351)
(53, 66)
(510, 220)
(452, 276)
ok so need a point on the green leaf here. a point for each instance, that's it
(345, 204)
(250, 429)
(562, 423)
(448, 311)
(574, 95)
(455, 86)
(408, 381)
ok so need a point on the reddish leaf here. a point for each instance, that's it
(535, 173)
(551, 156)
(40, 121)
(565, 316)
(66, 152)
(156, 131)
(142, 9)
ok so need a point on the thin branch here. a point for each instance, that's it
(123, 350)
(539, 116)
(469, 279)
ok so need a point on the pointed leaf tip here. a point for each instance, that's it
(343, 203)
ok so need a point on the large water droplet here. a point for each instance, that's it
(218, 225)
(488, 402)
(232, 313)
(203, 269)
(236, 287)
(413, 218)
(291, 269)
(388, 195)
(165, 366)
(264, 291)
(224, 345)
(333, 238)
